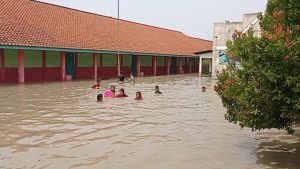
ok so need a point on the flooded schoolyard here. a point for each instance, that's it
(60, 125)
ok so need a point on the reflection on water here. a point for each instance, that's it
(60, 125)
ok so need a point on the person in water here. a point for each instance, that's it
(113, 90)
(99, 98)
(131, 79)
(157, 90)
(203, 89)
(97, 85)
(138, 96)
(121, 77)
(122, 93)
(110, 92)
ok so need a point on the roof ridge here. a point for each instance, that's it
(200, 39)
(91, 13)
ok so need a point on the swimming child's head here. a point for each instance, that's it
(138, 96)
(203, 89)
(156, 88)
(98, 81)
(113, 88)
(99, 97)
(122, 91)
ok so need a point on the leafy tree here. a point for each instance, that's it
(265, 92)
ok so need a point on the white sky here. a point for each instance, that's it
(192, 17)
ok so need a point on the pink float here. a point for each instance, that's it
(108, 93)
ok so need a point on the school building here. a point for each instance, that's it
(46, 42)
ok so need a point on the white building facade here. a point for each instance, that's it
(223, 32)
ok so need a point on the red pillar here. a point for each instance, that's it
(44, 64)
(95, 66)
(2, 66)
(190, 64)
(62, 66)
(138, 65)
(119, 64)
(154, 65)
(21, 66)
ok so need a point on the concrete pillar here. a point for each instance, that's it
(21, 66)
(95, 67)
(154, 65)
(44, 60)
(62, 66)
(2, 66)
(168, 63)
(190, 64)
(180, 66)
(119, 64)
(200, 66)
(210, 67)
(138, 65)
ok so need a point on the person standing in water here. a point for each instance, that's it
(203, 89)
(121, 77)
(131, 79)
(97, 85)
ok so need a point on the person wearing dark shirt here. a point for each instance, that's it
(122, 93)
(121, 77)
(157, 90)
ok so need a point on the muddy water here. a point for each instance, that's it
(60, 125)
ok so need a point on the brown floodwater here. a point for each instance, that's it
(60, 125)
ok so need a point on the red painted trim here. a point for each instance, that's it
(154, 65)
(2, 66)
(62, 66)
(147, 70)
(11, 75)
(21, 66)
(95, 67)
(138, 65)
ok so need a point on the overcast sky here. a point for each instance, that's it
(192, 17)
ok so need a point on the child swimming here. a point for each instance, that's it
(157, 90)
(122, 93)
(138, 96)
(99, 97)
(97, 85)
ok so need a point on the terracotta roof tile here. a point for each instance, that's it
(38, 24)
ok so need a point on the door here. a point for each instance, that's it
(173, 70)
(70, 64)
(133, 65)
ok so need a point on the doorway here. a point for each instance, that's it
(70, 64)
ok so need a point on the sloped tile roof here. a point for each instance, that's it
(37, 24)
